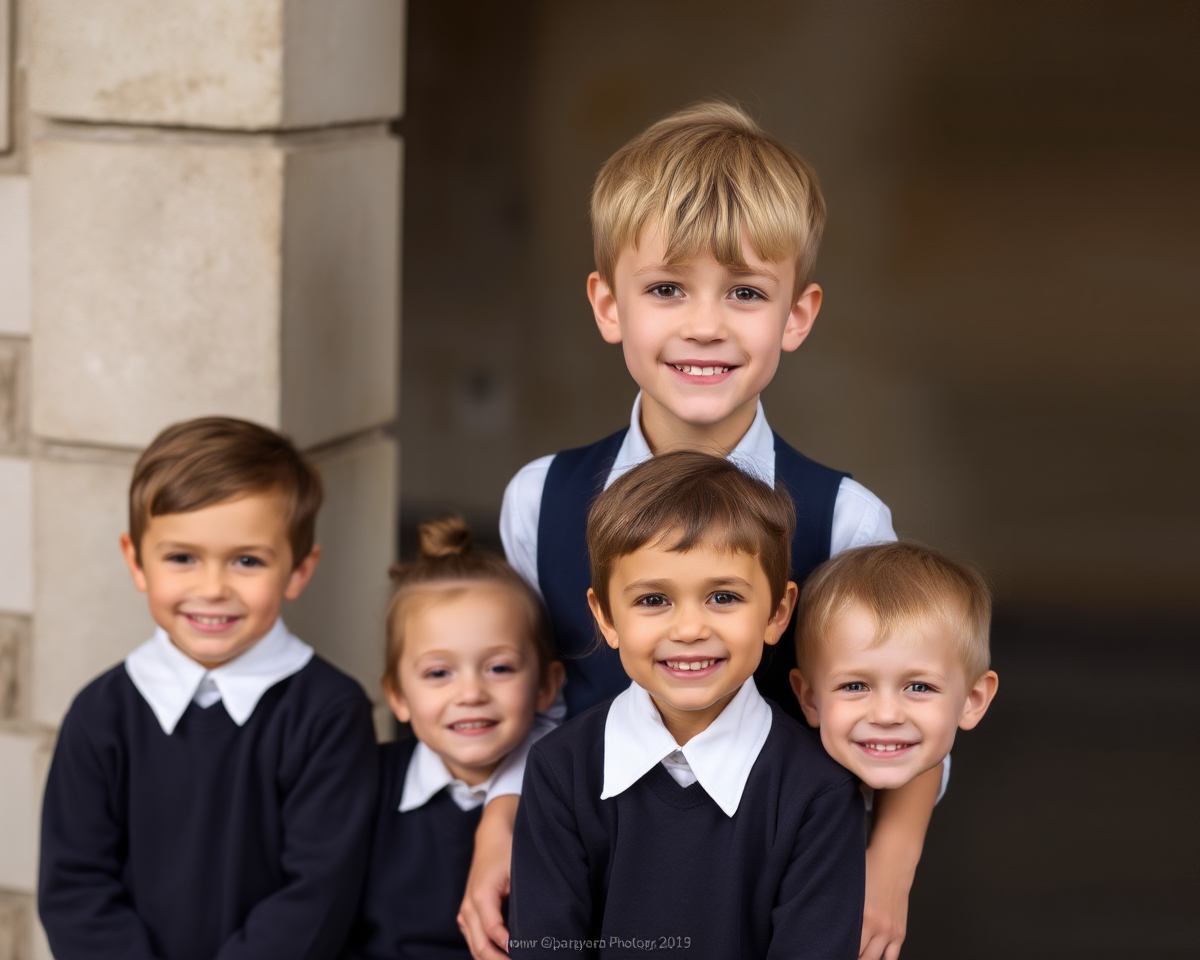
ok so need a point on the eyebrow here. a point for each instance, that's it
(664, 586)
(680, 268)
(192, 548)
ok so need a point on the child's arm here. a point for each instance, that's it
(83, 904)
(326, 817)
(817, 914)
(901, 819)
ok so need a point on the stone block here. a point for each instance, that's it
(14, 395)
(87, 614)
(341, 612)
(341, 256)
(22, 760)
(227, 64)
(14, 243)
(16, 535)
(14, 653)
(174, 280)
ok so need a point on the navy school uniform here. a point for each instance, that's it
(171, 831)
(420, 859)
(762, 856)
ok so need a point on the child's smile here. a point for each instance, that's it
(702, 339)
(690, 627)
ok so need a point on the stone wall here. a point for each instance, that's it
(199, 214)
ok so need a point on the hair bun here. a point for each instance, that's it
(445, 537)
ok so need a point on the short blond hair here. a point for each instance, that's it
(902, 585)
(702, 176)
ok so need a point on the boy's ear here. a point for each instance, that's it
(783, 614)
(549, 687)
(979, 698)
(803, 315)
(129, 552)
(602, 621)
(604, 306)
(804, 694)
(302, 574)
(397, 702)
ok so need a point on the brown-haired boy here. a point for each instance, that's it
(706, 233)
(892, 654)
(212, 795)
(688, 815)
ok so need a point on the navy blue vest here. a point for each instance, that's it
(575, 477)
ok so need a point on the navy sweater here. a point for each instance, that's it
(418, 872)
(217, 841)
(660, 870)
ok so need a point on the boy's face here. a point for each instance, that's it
(889, 712)
(216, 577)
(701, 340)
(690, 627)
(468, 678)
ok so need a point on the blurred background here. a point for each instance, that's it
(208, 208)
(1011, 330)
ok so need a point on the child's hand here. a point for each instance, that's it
(479, 917)
(885, 912)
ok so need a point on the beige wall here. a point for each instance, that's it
(199, 214)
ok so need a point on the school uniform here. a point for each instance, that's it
(543, 526)
(745, 842)
(420, 857)
(193, 814)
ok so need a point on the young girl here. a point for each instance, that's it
(469, 661)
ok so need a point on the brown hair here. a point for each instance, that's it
(447, 562)
(198, 463)
(903, 585)
(688, 498)
(702, 176)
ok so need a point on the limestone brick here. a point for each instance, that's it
(14, 395)
(16, 535)
(248, 278)
(340, 311)
(220, 63)
(341, 612)
(23, 762)
(14, 245)
(87, 614)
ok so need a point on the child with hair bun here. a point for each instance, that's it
(468, 663)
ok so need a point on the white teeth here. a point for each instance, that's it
(886, 747)
(695, 371)
(209, 621)
(471, 725)
(690, 664)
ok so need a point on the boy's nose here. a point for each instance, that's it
(705, 322)
(212, 582)
(471, 689)
(885, 709)
(688, 627)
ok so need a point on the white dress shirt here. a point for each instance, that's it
(169, 680)
(859, 517)
(428, 774)
(719, 758)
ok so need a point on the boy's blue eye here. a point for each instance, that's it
(918, 687)
(249, 562)
(855, 687)
(503, 668)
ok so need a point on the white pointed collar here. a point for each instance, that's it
(428, 774)
(635, 739)
(168, 679)
(754, 454)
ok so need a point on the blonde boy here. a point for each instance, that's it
(706, 234)
(892, 647)
(211, 796)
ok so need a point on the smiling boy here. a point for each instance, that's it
(688, 816)
(892, 647)
(211, 796)
(706, 234)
